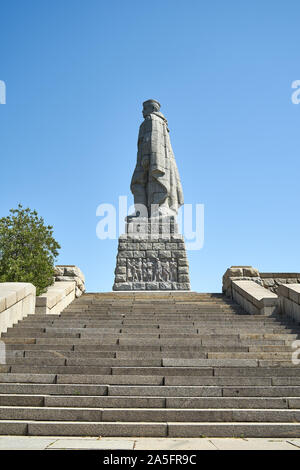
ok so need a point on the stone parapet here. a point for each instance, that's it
(17, 300)
(56, 298)
(246, 273)
(272, 281)
(65, 273)
(255, 299)
(289, 295)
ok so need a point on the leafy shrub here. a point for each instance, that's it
(27, 249)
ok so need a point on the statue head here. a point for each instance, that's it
(150, 106)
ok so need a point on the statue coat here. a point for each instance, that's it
(156, 179)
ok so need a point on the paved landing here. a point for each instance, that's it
(84, 443)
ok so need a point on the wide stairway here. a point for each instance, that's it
(159, 364)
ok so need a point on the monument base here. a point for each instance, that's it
(151, 256)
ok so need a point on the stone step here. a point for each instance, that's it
(169, 380)
(278, 355)
(164, 319)
(146, 429)
(165, 362)
(28, 378)
(221, 381)
(158, 371)
(148, 415)
(138, 342)
(88, 361)
(80, 354)
(53, 389)
(119, 354)
(207, 362)
(190, 391)
(38, 347)
(149, 402)
(251, 355)
(51, 414)
(96, 348)
(21, 400)
(114, 333)
(90, 379)
(233, 430)
(210, 371)
(86, 428)
(20, 369)
(104, 402)
(230, 402)
(195, 415)
(151, 390)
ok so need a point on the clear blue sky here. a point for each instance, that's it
(76, 74)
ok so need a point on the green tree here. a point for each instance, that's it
(27, 249)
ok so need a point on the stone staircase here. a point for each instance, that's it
(151, 364)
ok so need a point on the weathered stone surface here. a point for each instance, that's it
(254, 298)
(151, 269)
(65, 273)
(17, 300)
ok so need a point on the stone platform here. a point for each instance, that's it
(151, 256)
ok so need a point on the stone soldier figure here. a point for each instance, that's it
(158, 270)
(139, 267)
(155, 180)
(144, 270)
(173, 270)
(149, 271)
(134, 274)
(165, 271)
(129, 269)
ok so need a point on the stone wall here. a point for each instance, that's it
(151, 256)
(272, 281)
(254, 298)
(144, 264)
(56, 298)
(17, 300)
(243, 273)
(289, 296)
(71, 273)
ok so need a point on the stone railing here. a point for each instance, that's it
(289, 295)
(71, 273)
(255, 299)
(17, 300)
(56, 298)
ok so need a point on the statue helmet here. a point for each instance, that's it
(154, 103)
